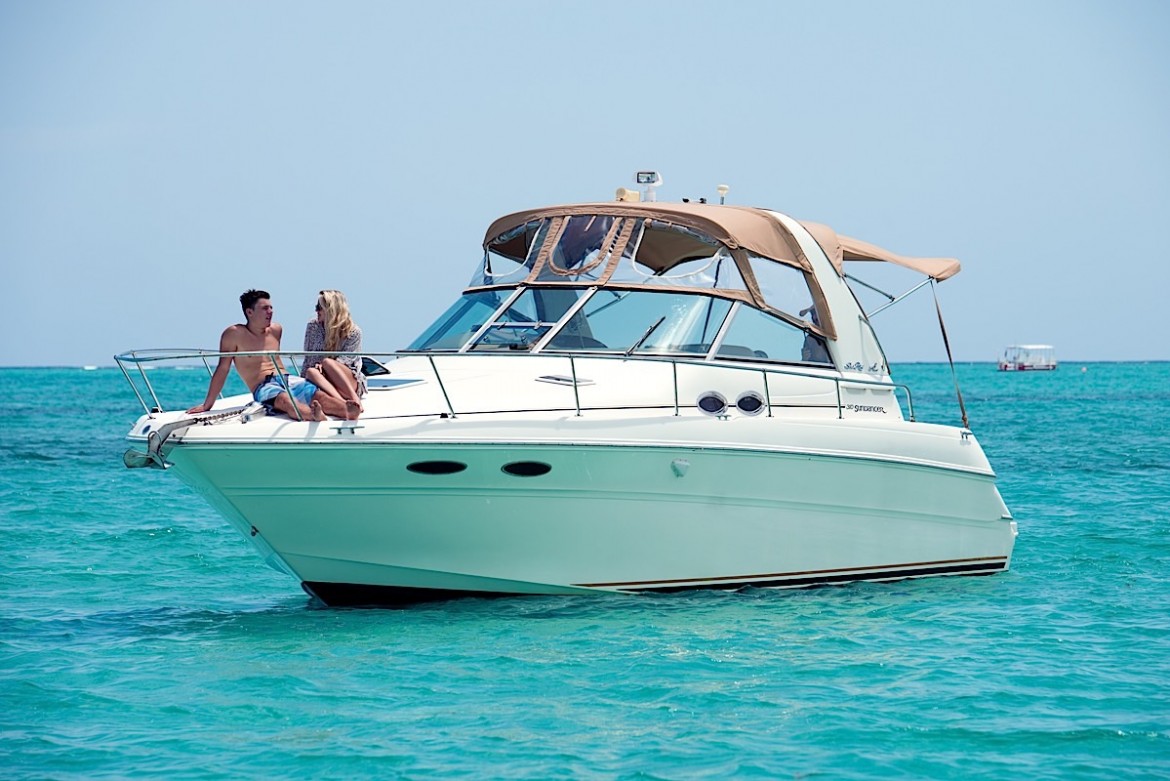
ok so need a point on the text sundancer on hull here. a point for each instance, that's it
(628, 396)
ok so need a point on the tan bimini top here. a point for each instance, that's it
(665, 236)
(739, 226)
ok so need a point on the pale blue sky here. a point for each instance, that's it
(158, 158)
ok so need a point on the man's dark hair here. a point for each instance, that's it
(248, 299)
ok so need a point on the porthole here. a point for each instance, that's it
(712, 403)
(436, 467)
(526, 468)
(750, 403)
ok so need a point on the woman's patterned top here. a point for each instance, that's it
(315, 341)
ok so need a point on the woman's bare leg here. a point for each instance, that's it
(334, 407)
(342, 379)
(315, 376)
(321, 405)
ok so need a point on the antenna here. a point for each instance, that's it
(722, 190)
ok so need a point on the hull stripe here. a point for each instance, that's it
(356, 594)
(825, 576)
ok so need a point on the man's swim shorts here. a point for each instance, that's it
(272, 386)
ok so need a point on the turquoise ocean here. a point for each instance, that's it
(140, 637)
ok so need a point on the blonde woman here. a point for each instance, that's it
(333, 330)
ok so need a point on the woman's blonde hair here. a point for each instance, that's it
(338, 323)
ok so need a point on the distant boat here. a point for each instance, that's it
(1028, 357)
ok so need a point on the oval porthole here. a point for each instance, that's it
(526, 468)
(436, 467)
(750, 403)
(712, 403)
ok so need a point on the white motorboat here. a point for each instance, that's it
(1028, 357)
(629, 396)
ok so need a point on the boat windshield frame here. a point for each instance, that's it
(650, 321)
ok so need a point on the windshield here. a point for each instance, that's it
(461, 321)
(527, 319)
(646, 322)
(655, 322)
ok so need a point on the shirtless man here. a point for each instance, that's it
(267, 381)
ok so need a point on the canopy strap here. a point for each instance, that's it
(947, 344)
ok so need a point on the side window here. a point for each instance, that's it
(784, 287)
(508, 259)
(758, 335)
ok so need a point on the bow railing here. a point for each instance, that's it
(136, 366)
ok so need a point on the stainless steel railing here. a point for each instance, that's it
(135, 362)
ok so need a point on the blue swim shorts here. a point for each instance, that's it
(272, 386)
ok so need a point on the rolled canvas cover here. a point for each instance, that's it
(841, 248)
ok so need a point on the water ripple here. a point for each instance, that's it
(141, 638)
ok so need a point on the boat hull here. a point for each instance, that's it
(404, 522)
(1019, 367)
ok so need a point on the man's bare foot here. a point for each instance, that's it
(318, 413)
(352, 410)
(361, 407)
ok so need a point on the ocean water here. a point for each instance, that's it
(140, 637)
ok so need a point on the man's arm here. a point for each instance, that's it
(226, 345)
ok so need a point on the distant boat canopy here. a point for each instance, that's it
(1028, 357)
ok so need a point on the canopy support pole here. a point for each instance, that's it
(893, 300)
(863, 283)
(947, 344)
